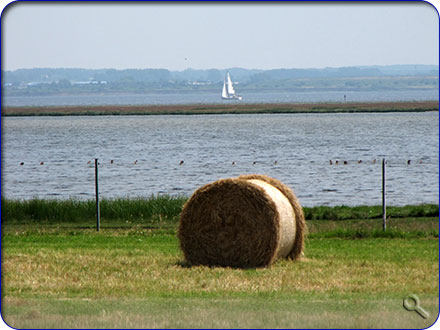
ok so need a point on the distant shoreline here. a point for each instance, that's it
(235, 108)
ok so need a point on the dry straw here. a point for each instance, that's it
(249, 221)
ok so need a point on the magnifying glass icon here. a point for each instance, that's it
(412, 303)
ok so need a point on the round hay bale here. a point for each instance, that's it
(249, 221)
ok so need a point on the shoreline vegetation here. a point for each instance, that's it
(144, 209)
(232, 108)
(162, 213)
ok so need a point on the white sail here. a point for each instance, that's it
(231, 90)
(224, 91)
(228, 92)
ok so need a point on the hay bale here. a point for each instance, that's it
(249, 221)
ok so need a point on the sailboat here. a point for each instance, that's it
(228, 92)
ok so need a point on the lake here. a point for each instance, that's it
(294, 148)
(214, 98)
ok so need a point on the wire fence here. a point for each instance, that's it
(336, 181)
(109, 162)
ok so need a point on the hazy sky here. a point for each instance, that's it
(179, 36)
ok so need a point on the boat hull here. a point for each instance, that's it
(233, 98)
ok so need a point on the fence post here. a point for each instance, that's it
(98, 220)
(384, 202)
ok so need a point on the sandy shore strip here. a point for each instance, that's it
(235, 108)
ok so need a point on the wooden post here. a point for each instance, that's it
(98, 220)
(384, 202)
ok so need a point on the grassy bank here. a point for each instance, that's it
(234, 108)
(166, 208)
(162, 212)
(140, 210)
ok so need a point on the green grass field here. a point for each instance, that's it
(131, 274)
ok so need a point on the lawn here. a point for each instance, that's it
(133, 275)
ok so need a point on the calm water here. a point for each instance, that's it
(302, 145)
(210, 97)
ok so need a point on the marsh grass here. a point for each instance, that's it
(167, 208)
(154, 209)
(161, 214)
(236, 108)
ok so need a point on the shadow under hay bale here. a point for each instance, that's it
(249, 221)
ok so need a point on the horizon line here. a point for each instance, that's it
(218, 69)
